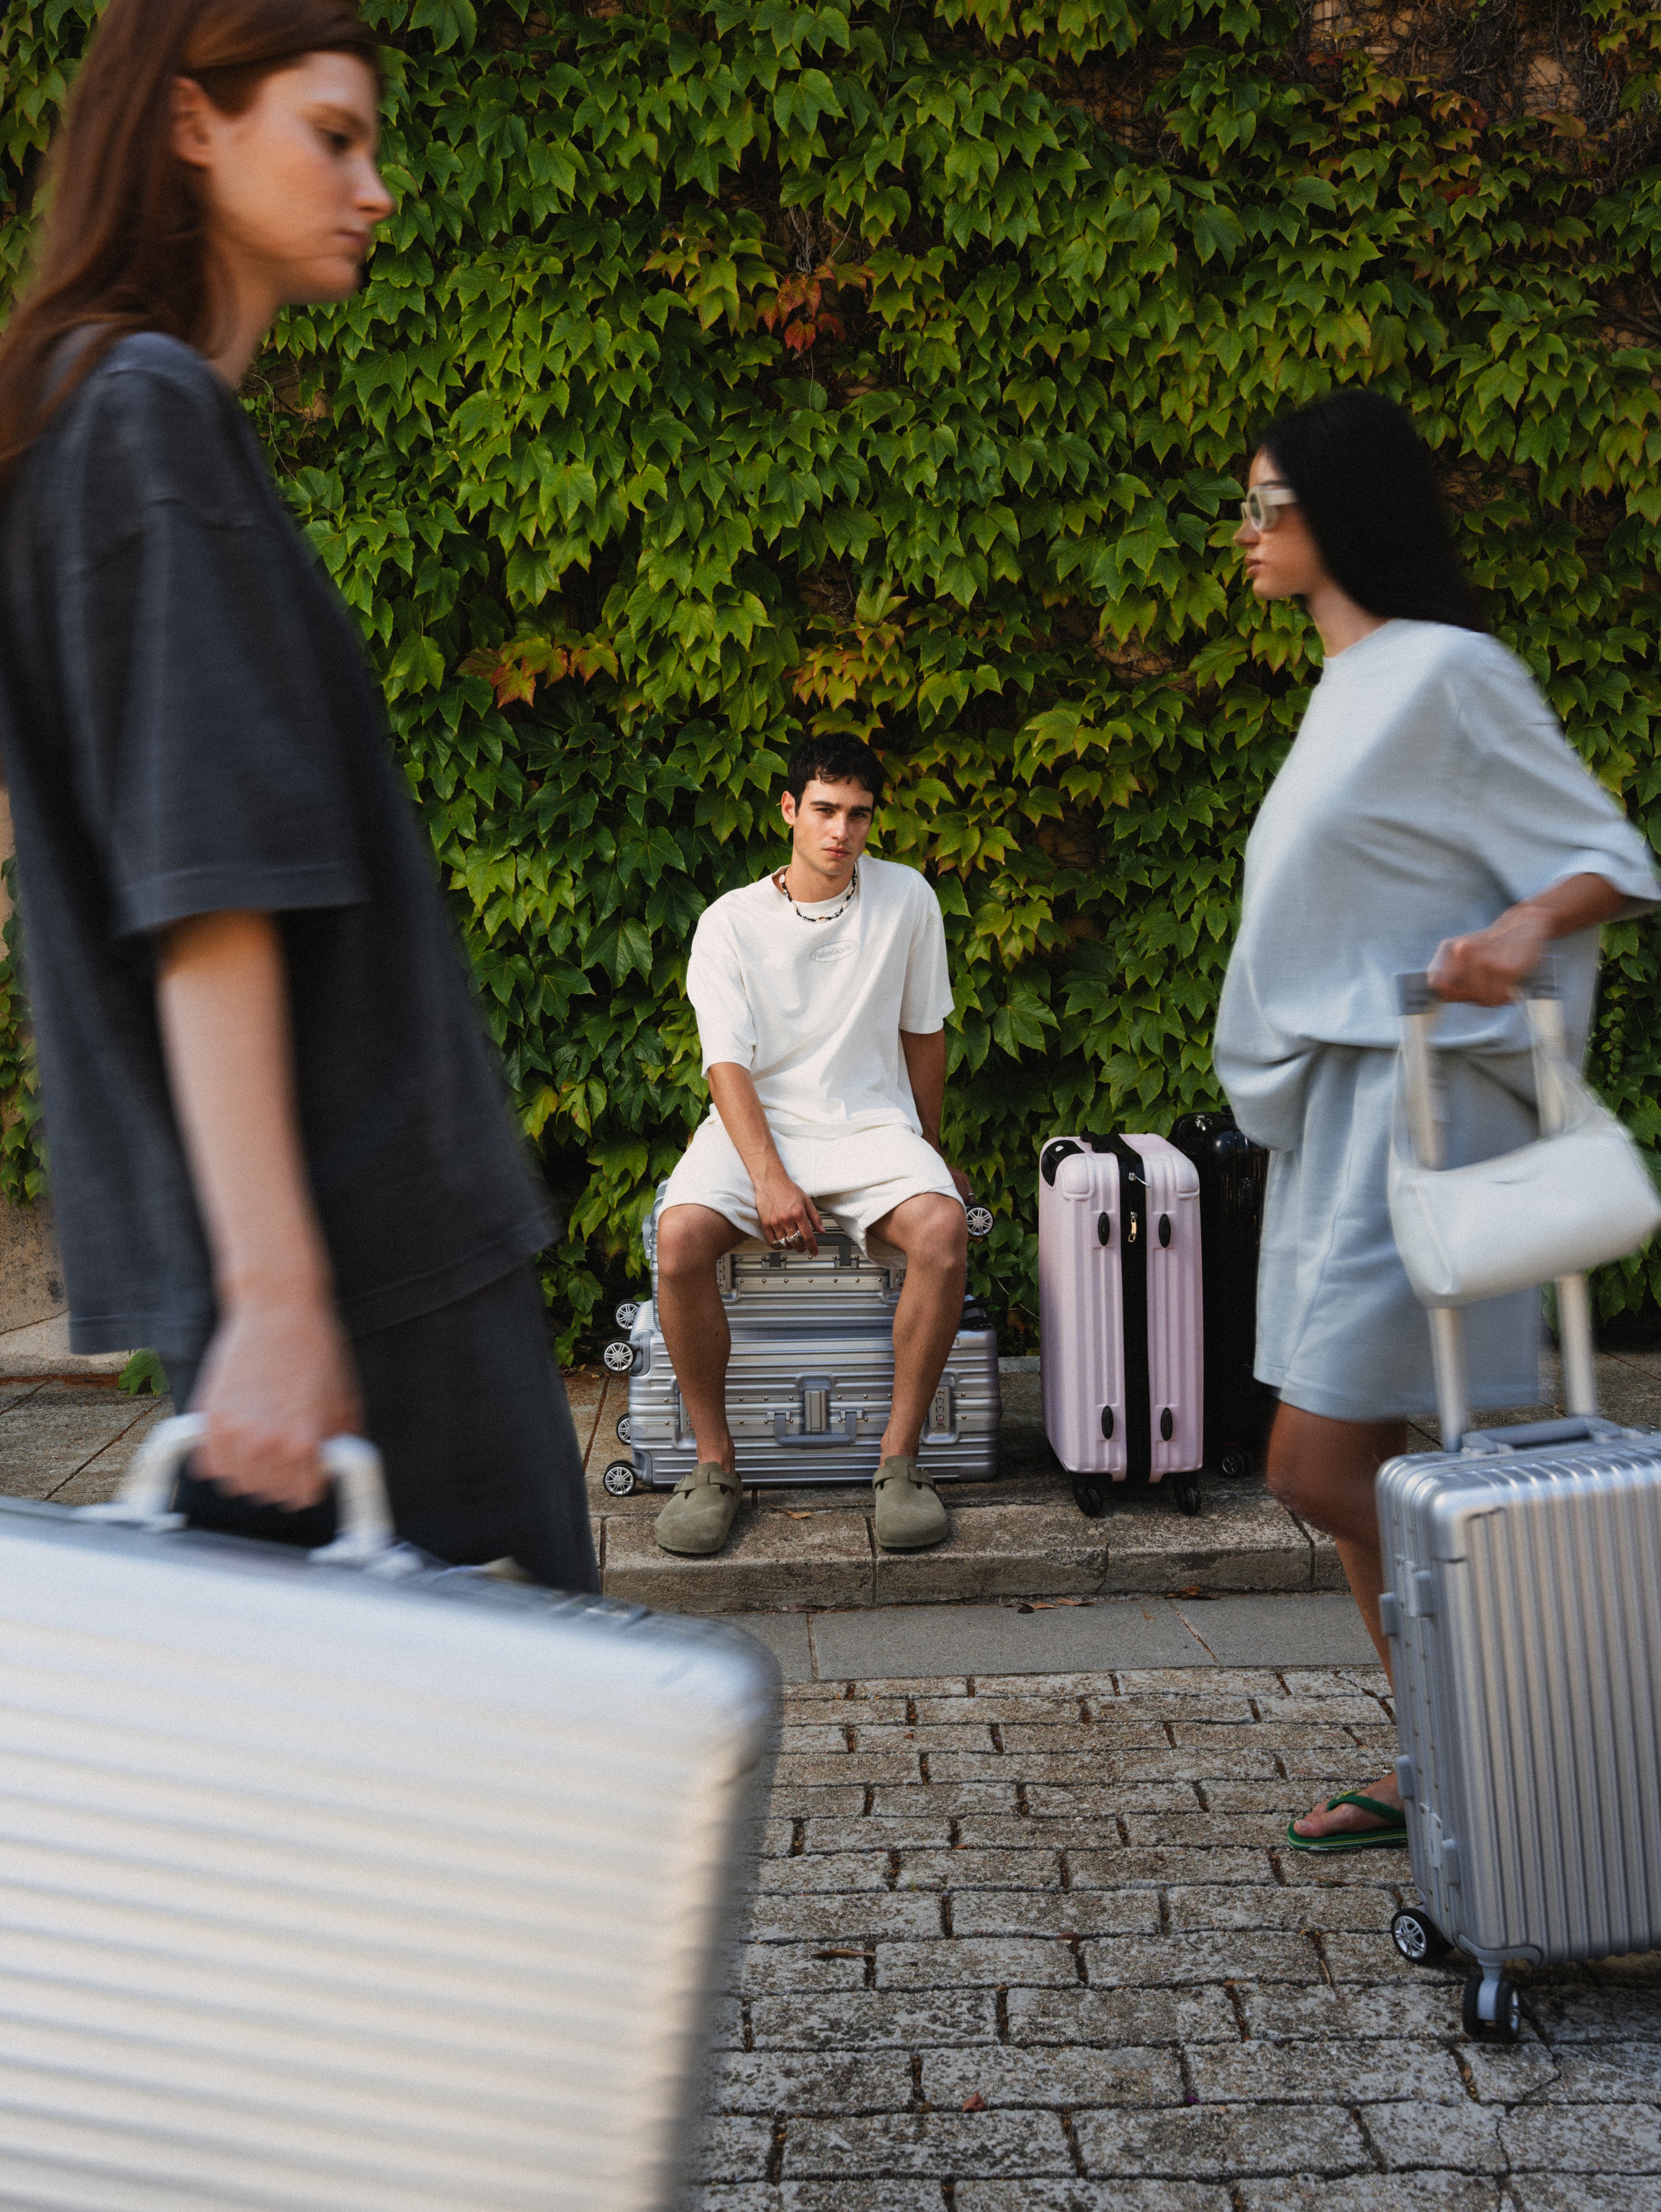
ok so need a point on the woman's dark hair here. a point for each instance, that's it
(834, 760)
(125, 232)
(1364, 480)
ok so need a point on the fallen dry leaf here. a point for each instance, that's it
(975, 2104)
(806, 1515)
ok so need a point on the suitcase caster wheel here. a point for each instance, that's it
(1234, 1464)
(625, 1428)
(1090, 1498)
(619, 1479)
(627, 1315)
(1188, 1497)
(1505, 2023)
(979, 1220)
(1418, 1939)
(619, 1356)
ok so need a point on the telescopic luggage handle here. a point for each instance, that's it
(145, 1497)
(1427, 1118)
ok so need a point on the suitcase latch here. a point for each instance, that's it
(811, 1425)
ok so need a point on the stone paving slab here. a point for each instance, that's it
(1148, 2002)
(69, 1441)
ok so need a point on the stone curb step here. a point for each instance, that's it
(1019, 1537)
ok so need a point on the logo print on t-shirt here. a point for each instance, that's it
(833, 953)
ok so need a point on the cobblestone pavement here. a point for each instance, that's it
(1035, 1944)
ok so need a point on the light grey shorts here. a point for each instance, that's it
(858, 1178)
(1339, 1330)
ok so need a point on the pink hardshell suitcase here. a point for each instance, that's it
(1120, 1313)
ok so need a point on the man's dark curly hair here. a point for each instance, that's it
(834, 760)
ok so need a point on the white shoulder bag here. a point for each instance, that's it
(1578, 1197)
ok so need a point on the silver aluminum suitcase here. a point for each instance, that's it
(325, 1891)
(810, 1378)
(1525, 1620)
(762, 1286)
(809, 1405)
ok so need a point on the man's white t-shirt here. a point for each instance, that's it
(814, 1008)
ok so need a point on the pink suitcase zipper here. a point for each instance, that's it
(1120, 1313)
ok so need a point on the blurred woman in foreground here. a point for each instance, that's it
(280, 1149)
(1429, 815)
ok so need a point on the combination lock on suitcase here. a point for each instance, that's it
(1524, 1565)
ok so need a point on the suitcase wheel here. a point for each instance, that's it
(1188, 1497)
(627, 1314)
(1234, 1464)
(1418, 1939)
(1505, 2024)
(979, 1219)
(619, 1479)
(625, 1429)
(619, 1355)
(1089, 1496)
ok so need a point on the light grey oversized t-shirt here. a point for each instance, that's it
(1429, 789)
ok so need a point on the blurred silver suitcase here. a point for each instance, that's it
(1524, 1614)
(337, 1890)
(810, 1378)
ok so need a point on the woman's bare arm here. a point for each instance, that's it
(279, 1376)
(1490, 966)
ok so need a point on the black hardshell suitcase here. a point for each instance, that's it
(1233, 1175)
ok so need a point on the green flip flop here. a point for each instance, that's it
(1354, 1839)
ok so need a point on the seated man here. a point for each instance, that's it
(820, 994)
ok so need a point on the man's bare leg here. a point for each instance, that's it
(690, 1239)
(1326, 1472)
(930, 1230)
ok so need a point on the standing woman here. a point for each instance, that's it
(281, 1151)
(1429, 815)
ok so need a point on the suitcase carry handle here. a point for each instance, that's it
(1428, 1117)
(145, 1497)
(1585, 1429)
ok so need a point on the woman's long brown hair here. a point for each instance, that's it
(126, 244)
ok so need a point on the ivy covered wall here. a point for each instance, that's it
(728, 373)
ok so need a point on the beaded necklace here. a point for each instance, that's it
(852, 893)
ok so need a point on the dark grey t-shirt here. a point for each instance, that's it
(189, 727)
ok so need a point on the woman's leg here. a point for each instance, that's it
(1325, 1472)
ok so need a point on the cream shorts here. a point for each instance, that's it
(858, 1178)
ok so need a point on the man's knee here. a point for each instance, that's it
(933, 1233)
(690, 1239)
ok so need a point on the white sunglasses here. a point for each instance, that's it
(1260, 504)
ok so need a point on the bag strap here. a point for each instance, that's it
(1563, 1102)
